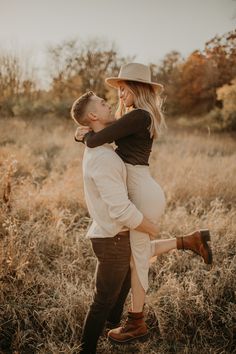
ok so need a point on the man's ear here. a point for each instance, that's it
(92, 116)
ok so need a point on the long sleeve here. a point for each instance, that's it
(129, 124)
(107, 176)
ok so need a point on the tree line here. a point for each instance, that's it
(204, 83)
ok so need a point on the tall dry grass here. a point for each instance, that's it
(47, 266)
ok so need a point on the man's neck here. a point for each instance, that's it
(97, 129)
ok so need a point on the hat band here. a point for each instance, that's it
(133, 78)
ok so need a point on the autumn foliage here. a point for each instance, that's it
(191, 84)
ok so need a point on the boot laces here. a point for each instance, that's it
(126, 323)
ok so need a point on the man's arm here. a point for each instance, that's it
(148, 227)
(107, 175)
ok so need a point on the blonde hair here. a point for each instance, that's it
(145, 97)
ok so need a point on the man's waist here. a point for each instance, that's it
(105, 230)
(120, 234)
(123, 233)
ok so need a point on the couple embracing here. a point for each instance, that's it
(124, 202)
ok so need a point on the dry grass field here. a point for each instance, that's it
(47, 266)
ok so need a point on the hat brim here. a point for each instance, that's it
(115, 82)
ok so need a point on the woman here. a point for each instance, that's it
(133, 134)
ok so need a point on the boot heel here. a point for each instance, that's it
(205, 235)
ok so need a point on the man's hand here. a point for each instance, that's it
(148, 227)
(80, 133)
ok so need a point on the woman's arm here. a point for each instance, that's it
(130, 123)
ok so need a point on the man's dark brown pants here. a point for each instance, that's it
(112, 287)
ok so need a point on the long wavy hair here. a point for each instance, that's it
(145, 97)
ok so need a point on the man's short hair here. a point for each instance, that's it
(78, 110)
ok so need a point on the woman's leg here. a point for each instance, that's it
(135, 326)
(137, 291)
(149, 198)
(196, 241)
(159, 247)
(138, 294)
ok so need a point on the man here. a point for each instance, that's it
(113, 215)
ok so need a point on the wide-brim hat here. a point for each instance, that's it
(134, 72)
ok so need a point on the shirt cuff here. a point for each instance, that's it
(136, 220)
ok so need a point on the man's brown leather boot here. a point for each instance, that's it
(133, 329)
(197, 242)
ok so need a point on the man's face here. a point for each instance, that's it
(102, 110)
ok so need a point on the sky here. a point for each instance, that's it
(148, 29)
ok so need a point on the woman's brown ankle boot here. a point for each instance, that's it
(133, 329)
(197, 242)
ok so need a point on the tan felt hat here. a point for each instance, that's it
(134, 72)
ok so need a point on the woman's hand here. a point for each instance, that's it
(80, 133)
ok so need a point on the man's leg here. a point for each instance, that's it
(113, 265)
(115, 314)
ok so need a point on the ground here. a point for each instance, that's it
(47, 265)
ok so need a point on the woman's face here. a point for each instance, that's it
(126, 95)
